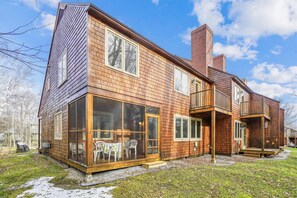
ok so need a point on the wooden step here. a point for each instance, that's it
(257, 155)
(156, 164)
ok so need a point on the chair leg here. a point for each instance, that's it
(115, 156)
(135, 152)
(95, 156)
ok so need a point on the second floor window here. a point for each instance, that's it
(181, 81)
(62, 68)
(121, 54)
(58, 126)
(238, 95)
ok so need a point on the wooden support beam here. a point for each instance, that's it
(263, 131)
(213, 137)
(89, 143)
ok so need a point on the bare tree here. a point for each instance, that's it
(290, 115)
(31, 57)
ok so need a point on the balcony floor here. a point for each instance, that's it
(209, 109)
(254, 116)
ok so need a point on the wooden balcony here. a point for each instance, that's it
(210, 100)
(254, 108)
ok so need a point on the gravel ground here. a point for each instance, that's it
(108, 176)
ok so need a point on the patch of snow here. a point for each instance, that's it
(42, 188)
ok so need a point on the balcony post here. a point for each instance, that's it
(213, 138)
(89, 138)
(263, 132)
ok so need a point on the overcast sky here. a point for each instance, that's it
(257, 36)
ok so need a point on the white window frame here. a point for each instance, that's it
(190, 131)
(239, 137)
(124, 39)
(188, 83)
(239, 94)
(98, 113)
(58, 126)
(182, 118)
(64, 53)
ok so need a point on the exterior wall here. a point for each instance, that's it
(272, 133)
(282, 127)
(222, 80)
(223, 133)
(272, 136)
(154, 86)
(254, 134)
(71, 33)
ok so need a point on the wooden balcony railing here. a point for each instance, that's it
(222, 100)
(209, 98)
(254, 107)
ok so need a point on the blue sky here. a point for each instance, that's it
(257, 36)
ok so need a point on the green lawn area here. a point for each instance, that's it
(17, 169)
(263, 178)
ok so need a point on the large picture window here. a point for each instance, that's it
(121, 54)
(181, 81)
(62, 68)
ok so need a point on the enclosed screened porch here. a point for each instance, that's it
(106, 134)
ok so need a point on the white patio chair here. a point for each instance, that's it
(133, 145)
(114, 149)
(99, 148)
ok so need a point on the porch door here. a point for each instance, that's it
(198, 88)
(243, 132)
(152, 135)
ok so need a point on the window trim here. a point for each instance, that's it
(125, 39)
(240, 137)
(196, 119)
(174, 120)
(61, 125)
(97, 130)
(65, 52)
(182, 71)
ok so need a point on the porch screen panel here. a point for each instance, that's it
(77, 130)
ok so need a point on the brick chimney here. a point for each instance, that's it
(219, 62)
(202, 45)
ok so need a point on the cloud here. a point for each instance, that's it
(48, 21)
(156, 2)
(186, 36)
(275, 73)
(234, 51)
(247, 21)
(39, 4)
(270, 90)
(276, 50)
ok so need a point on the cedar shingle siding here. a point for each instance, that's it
(82, 28)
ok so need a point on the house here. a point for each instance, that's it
(112, 98)
(290, 137)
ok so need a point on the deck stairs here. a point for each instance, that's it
(155, 164)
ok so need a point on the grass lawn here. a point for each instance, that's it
(263, 178)
(17, 169)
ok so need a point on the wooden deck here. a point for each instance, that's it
(257, 152)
